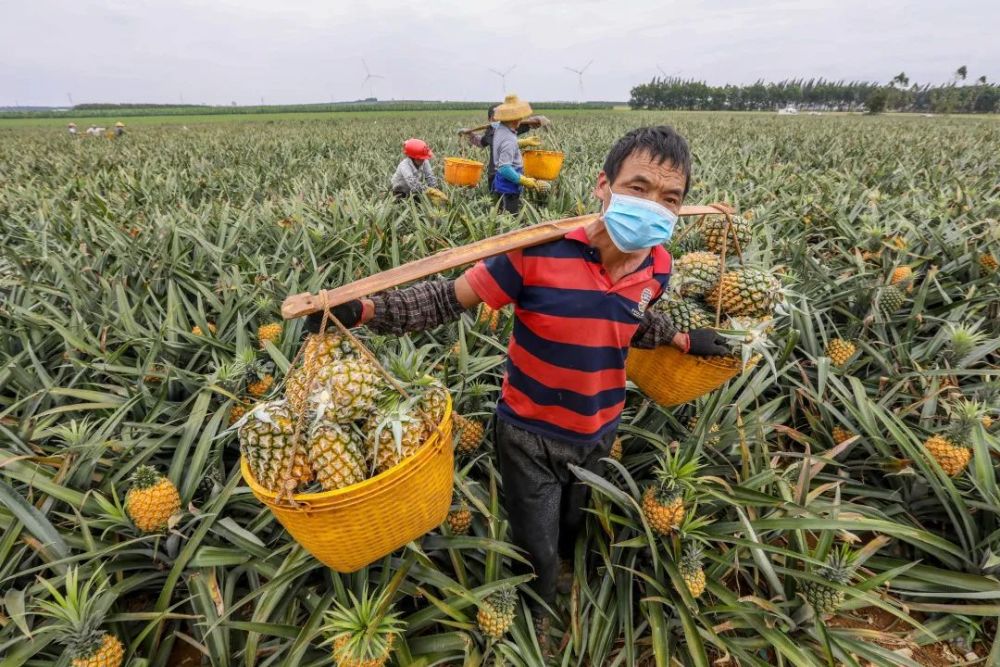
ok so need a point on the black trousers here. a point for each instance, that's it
(545, 501)
(508, 203)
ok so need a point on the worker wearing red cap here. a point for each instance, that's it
(413, 176)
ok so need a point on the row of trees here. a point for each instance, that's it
(822, 95)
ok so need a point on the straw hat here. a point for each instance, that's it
(119, 124)
(512, 109)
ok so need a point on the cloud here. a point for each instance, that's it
(216, 51)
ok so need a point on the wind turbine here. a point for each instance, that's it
(579, 74)
(503, 76)
(665, 75)
(369, 77)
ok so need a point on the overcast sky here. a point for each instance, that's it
(291, 51)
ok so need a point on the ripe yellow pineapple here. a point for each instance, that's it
(434, 399)
(197, 330)
(236, 413)
(260, 386)
(268, 333)
(346, 390)
(296, 389)
(663, 508)
(460, 520)
(496, 612)
(336, 455)
(267, 442)
(77, 618)
(840, 434)
(616, 450)
(952, 458)
(714, 230)
(151, 500)
(987, 422)
(691, 572)
(988, 262)
(745, 293)
(902, 276)
(324, 349)
(362, 636)
(383, 448)
(470, 434)
(489, 316)
(840, 351)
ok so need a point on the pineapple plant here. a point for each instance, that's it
(77, 616)
(261, 385)
(663, 501)
(496, 612)
(745, 293)
(151, 500)
(952, 449)
(267, 440)
(336, 455)
(345, 391)
(489, 317)
(697, 272)
(840, 351)
(268, 333)
(692, 424)
(616, 452)
(459, 520)
(840, 434)
(823, 598)
(691, 571)
(362, 632)
(470, 434)
(715, 229)
(891, 299)
(685, 314)
(902, 276)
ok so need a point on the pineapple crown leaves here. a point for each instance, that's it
(962, 340)
(840, 565)
(363, 629)
(78, 612)
(145, 476)
(965, 416)
(502, 600)
(675, 474)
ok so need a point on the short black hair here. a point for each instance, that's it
(661, 142)
(492, 111)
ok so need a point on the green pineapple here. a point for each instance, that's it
(823, 598)
(267, 440)
(684, 314)
(891, 299)
(714, 230)
(697, 272)
(745, 293)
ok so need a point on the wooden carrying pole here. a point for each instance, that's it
(300, 305)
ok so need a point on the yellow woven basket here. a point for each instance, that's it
(352, 527)
(545, 165)
(462, 172)
(670, 377)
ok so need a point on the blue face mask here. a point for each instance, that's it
(634, 223)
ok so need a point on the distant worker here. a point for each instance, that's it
(413, 176)
(119, 129)
(71, 128)
(485, 140)
(93, 131)
(509, 180)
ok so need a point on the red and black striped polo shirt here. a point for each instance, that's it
(572, 327)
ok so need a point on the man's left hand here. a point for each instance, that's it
(706, 343)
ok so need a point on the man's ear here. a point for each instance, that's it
(602, 190)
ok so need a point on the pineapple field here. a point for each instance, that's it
(836, 503)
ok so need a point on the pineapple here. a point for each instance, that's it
(152, 500)
(692, 425)
(336, 455)
(267, 441)
(460, 520)
(826, 599)
(987, 422)
(268, 333)
(616, 450)
(393, 434)
(745, 293)
(197, 330)
(691, 572)
(470, 434)
(714, 230)
(988, 263)
(892, 299)
(697, 272)
(236, 413)
(903, 277)
(663, 501)
(435, 399)
(297, 389)
(685, 315)
(346, 391)
(261, 386)
(496, 612)
(840, 351)
(362, 632)
(840, 434)
(325, 349)
(489, 316)
(952, 449)
(78, 615)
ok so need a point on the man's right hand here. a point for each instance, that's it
(348, 313)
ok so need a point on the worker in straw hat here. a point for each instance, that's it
(119, 129)
(580, 303)
(413, 175)
(71, 128)
(485, 140)
(510, 180)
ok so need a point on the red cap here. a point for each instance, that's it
(417, 149)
